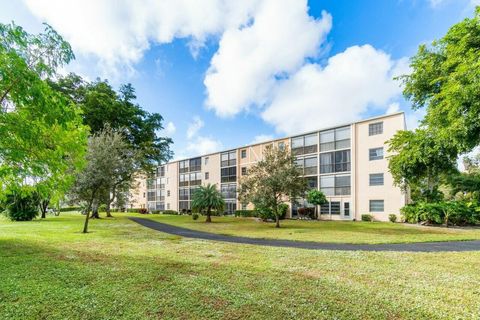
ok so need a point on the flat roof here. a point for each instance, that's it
(292, 136)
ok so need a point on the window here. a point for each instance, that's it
(168, 206)
(326, 162)
(183, 194)
(375, 128)
(228, 174)
(335, 207)
(244, 154)
(168, 193)
(230, 206)
(206, 160)
(305, 144)
(244, 206)
(183, 166)
(342, 138)
(325, 208)
(376, 179)
(376, 205)
(281, 145)
(144, 194)
(229, 191)
(195, 164)
(207, 175)
(342, 185)
(228, 159)
(244, 171)
(342, 161)
(327, 185)
(311, 182)
(375, 154)
(346, 209)
(327, 140)
(151, 196)
(310, 166)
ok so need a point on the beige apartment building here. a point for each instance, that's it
(347, 163)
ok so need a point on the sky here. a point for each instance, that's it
(226, 73)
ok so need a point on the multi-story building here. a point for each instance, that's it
(348, 163)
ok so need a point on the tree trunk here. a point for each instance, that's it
(109, 203)
(87, 215)
(109, 215)
(277, 218)
(209, 219)
(43, 207)
(95, 214)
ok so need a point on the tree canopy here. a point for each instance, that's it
(272, 181)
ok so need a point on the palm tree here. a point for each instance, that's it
(208, 198)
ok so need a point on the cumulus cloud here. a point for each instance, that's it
(262, 138)
(393, 107)
(118, 32)
(250, 59)
(350, 83)
(203, 145)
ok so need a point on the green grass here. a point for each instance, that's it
(322, 231)
(121, 270)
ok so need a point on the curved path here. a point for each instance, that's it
(473, 245)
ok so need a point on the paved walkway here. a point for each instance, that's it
(409, 247)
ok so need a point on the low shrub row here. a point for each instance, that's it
(264, 213)
(457, 213)
(67, 209)
(138, 210)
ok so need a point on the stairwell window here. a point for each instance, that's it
(375, 128)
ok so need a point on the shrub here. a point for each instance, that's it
(308, 212)
(367, 217)
(21, 207)
(138, 210)
(170, 212)
(156, 211)
(392, 217)
(445, 212)
(195, 216)
(66, 209)
(245, 213)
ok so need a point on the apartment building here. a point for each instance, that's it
(347, 163)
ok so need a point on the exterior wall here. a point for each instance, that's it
(392, 196)
(138, 195)
(338, 155)
(171, 173)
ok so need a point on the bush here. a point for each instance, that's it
(392, 217)
(308, 212)
(195, 216)
(138, 210)
(367, 217)
(21, 207)
(156, 211)
(444, 212)
(170, 212)
(245, 213)
(67, 209)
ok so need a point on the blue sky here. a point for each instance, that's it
(226, 73)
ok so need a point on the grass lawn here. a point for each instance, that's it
(121, 270)
(322, 231)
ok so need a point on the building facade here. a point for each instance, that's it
(347, 163)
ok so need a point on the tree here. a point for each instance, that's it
(105, 155)
(102, 106)
(420, 161)
(272, 181)
(208, 198)
(317, 198)
(42, 139)
(445, 80)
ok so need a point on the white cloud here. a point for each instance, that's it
(262, 138)
(203, 145)
(118, 32)
(393, 107)
(194, 126)
(350, 83)
(170, 128)
(244, 69)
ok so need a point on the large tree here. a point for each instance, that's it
(273, 180)
(42, 139)
(445, 80)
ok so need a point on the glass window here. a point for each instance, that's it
(342, 161)
(376, 205)
(376, 154)
(281, 145)
(327, 185)
(244, 171)
(335, 207)
(311, 182)
(206, 175)
(244, 154)
(326, 162)
(327, 140)
(342, 185)
(342, 133)
(376, 179)
(375, 128)
(310, 140)
(346, 209)
(310, 166)
(297, 142)
(325, 208)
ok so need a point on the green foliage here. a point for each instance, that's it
(101, 105)
(271, 181)
(21, 205)
(195, 216)
(307, 212)
(68, 209)
(420, 161)
(367, 217)
(392, 217)
(42, 138)
(445, 80)
(208, 198)
(444, 212)
(246, 213)
(316, 197)
(173, 212)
